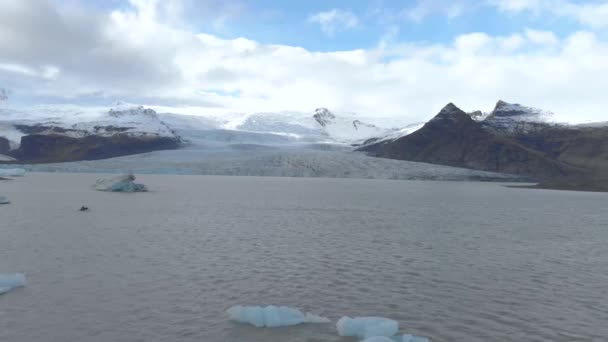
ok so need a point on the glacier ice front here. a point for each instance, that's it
(366, 327)
(272, 316)
(10, 281)
(124, 183)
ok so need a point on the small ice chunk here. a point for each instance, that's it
(367, 327)
(404, 338)
(412, 338)
(4, 200)
(123, 183)
(272, 316)
(10, 281)
(12, 172)
(378, 339)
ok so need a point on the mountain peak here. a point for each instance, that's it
(505, 109)
(449, 112)
(122, 111)
(449, 108)
(323, 116)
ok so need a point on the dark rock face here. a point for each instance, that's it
(323, 116)
(583, 147)
(4, 145)
(39, 129)
(41, 148)
(453, 138)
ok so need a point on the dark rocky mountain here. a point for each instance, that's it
(52, 148)
(558, 156)
(118, 132)
(323, 116)
(4, 145)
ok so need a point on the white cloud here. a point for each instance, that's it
(591, 13)
(48, 51)
(334, 20)
(595, 15)
(517, 5)
(542, 37)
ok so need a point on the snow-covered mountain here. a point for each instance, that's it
(79, 122)
(513, 118)
(348, 128)
(63, 133)
(204, 129)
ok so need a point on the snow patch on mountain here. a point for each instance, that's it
(347, 129)
(515, 118)
(285, 123)
(401, 132)
(128, 120)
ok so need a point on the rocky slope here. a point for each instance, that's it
(453, 138)
(511, 139)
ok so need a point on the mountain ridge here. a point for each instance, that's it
(454, 138)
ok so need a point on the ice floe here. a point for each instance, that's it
(404, 338)
(12, 172)
(272, 316)
(10, 281)
(366, 327)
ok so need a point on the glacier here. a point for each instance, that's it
(11, 281)
(366, 327)
(272, 316)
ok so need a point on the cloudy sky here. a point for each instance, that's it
(376, 58)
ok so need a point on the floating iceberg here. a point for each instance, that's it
(366, 327)
(10, 281)
(404, 338)
(4, 200)
(379, 339)
(272, 316)
(123, 183)
(412, 338)
(12, 172)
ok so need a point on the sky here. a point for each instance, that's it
(382, 58)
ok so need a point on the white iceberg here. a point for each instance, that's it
(10, 281)
(272, 316)
(12, 172)
(124, 183)
(366, 327)
(4, 200)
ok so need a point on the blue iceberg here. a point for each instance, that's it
(12, 172)
(4, 200)
(272, 316)
(366, 327)
(404, 338)
(123, 183)
(10, 281)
